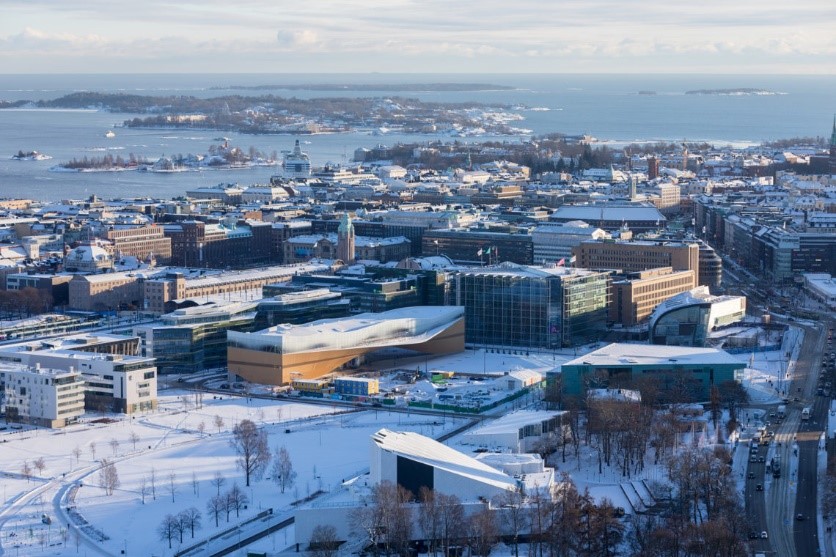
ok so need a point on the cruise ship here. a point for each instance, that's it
(296, 164)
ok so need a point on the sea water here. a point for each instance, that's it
(608, 107)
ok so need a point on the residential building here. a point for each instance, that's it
(41, 396)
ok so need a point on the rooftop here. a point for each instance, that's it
(437, 455)
(646, 354)
(513, 422)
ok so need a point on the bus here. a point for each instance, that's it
(805, 414)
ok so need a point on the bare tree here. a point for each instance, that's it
(144, 490)
(215, 507)
(385, 517)
(195, 484)
(93, 449)
(189, 520)
(134, 438)
(108, 477)
(152, 479)
(39, 465)
(172, 484)
(250, 444)
(218, 481)
(219, 422)
(283, 473)
(324, 542)
(77, 454)
(429, 517)
(514, 515)
(236, 500)
(483, 532)
(114, 445)
(26, 470)
(201, 428)
(169, 528)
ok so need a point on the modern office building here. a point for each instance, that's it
(688, 318)
(190, 340)
(475, 247)
(41, 396)
(277, 355)
(640, 255)
(553, 242)
(636, 295)
(822, 288)
(298, 306)
(531, 307)
(690, 371)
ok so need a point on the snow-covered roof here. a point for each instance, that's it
(513, 422)
(608, 213)
(437, 455)
(647, 354)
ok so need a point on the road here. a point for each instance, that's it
(805, 532)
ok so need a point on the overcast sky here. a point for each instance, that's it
(483, 36)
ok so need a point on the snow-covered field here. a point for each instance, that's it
(327, 445)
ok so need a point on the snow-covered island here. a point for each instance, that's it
(30, 156)
(218, 157)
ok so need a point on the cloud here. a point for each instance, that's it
(304, 39)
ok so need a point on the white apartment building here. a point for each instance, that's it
(112, 382)
(41, 396)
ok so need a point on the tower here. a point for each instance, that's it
(345, 240)
(833, 149)
(633, 180)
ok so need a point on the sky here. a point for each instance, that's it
(418, 36)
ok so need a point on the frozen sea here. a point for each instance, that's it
(608, 107)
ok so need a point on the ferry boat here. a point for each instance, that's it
(296, 164)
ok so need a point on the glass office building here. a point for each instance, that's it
(531, 307)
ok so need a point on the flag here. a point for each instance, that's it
(487, 251)
(561, 262)
(572, 259)
(479, 253)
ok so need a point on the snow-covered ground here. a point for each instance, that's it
(327, 445)
(767, 375)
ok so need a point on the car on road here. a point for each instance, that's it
(764, 535)
(761, 459)
(753, 459)
(751, 475)
(753, 535)
(799, 516)
(759, 487)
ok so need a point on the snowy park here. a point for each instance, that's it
(173, 460)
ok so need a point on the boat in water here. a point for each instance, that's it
(30, 156)
(110, 134)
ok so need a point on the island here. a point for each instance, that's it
(271, 114)
(391, 87)
(218, 157)
(740, 91)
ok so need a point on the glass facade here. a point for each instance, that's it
(529, 308)
(685, 326)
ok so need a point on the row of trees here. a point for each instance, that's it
(175, 525)
(559, 522)
(25, 302)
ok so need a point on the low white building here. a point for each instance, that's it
(41, 396)
(414, 461)
(517, 432)
(822, 288)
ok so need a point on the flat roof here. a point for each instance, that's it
(654, 354)
(513, 422)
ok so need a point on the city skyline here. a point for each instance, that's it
(93, 36)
